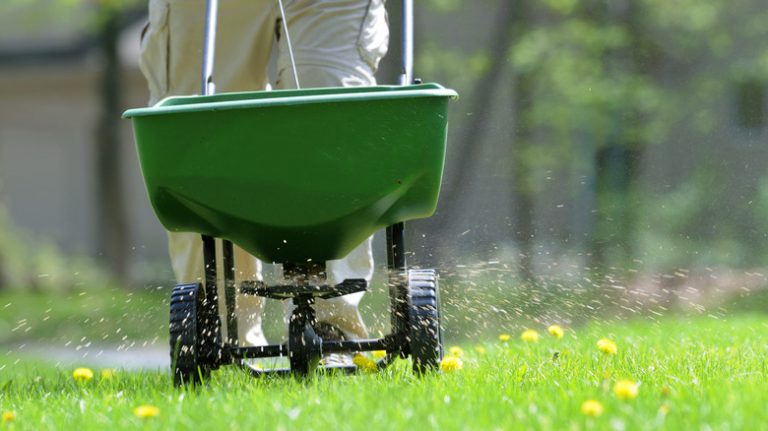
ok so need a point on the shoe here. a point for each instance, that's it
(326, 331)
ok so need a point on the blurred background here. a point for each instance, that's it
(606, 159)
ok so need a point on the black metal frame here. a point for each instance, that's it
(304, 347)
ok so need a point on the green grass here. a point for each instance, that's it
(99, 316)
(708, 374)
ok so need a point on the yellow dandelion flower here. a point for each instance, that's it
(364, 363)
(480, 350)
(529, 336)
(9, 416)
(107, 374)
(556, 331)
(82, 374)
(379, 354)
(592, 408)
(664, 409)
(504, 338)
(146, 411)
(625, 390)
(450, 364)
(607, 346)
(456, 351)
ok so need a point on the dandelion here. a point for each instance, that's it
(529, 336)
(480, 350)
(9, 416)
(364, 363)
(504, 338)
(107, 374)
(456, 351)
(607, 346)
(82, 374)
(450, 364)
(592, 408)
(664, 409)
(146, 411)
(379, 354)
(625, 390)
(556, 331)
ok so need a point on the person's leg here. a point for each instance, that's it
(336, 43)
(171, 58)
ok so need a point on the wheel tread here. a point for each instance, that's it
(424, 335)
(188, 358)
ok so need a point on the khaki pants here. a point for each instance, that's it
(335, 43)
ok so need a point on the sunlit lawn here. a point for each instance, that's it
(696, 373)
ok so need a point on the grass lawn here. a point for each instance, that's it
(692, 374)
(110, 316)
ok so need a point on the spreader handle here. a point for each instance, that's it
(406, 73)
(209, 47)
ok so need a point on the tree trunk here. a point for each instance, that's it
(617, 163)
(616, 176)
(111, 217)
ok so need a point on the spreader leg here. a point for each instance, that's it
(230, 291)
(209, 313)
(398, 281)
(304, 346)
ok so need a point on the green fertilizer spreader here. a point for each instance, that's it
(293, 175)
(296, 177)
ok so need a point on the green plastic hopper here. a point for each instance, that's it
(294, 175)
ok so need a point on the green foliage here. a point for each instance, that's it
(444, 6)
(581, 91)
(464, 68)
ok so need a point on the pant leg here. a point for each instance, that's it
(171, 59)
(336, 43)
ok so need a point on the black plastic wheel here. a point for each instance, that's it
(424, 333)
(192, 336)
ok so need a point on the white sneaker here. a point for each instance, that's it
(337, 360)
(326, 331)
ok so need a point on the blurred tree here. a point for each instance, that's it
(596, 83)
(583, 94)
(617, 160)
(112, 227)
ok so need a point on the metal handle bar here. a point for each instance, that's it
(406, 73)
(209, 46)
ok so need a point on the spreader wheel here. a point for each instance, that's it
(424, 320)
(192, 344)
